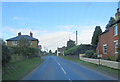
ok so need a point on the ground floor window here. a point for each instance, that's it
(30, 42)
(105, 48)
(14, 42)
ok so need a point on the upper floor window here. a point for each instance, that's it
(116, 30)
(105, 48)
(116, 46)
(14, 42)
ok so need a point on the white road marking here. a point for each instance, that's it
(58, 64)
(69, 79)
(63, 70)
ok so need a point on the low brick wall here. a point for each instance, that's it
(107, 63)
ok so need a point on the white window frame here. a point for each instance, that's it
(30, 42)
(115, 30)
(116, 47)
(14, 42)
(104, 49)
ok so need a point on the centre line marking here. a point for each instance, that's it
(63, 70)
(58, 64)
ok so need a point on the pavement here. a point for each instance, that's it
(57, 68)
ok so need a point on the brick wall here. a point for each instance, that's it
(107, 38)
(34, 44)
(119, 36)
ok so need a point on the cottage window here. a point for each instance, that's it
(105, 48)
(116, 30)
(30, 42)
(14, 42)
(116, 46)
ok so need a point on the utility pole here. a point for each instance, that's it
(57, 51)
(76, 38)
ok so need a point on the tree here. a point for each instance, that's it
(89, 53)
(95, 37)
(5, 52)
(50, 51)
(23, 48)
(70, 44)
(23, 42)
(79, 49)
(55, 51)
(110, 22)
(23, 45)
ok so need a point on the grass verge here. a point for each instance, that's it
(17, 70)
(94, 66)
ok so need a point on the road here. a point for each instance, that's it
(56, 68)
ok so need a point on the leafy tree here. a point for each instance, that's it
(72, 51)
(5, 52)
(79, 49)
(89, 53)
(110, 22)
(23, 42)
(23, 48)
(55, 51)
(70, 44)
(33, 52)
(50, 51)
(96, 34)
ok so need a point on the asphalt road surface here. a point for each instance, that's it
(56, 68)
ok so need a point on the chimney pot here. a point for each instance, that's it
(31, 34)
(118, 10)
(117, 15)
(19, 33)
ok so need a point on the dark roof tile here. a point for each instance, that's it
(22, 36)
(110, 26)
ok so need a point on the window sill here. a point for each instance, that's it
(105, 53)
(115, 35)
(116, 52)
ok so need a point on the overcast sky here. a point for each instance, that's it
(54, 23)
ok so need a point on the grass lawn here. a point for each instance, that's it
(17, 70)
(94, 66)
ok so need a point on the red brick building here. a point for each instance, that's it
(109, 40)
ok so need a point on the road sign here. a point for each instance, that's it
(99, 55)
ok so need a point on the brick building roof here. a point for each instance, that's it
(22, 36)
(110, 26)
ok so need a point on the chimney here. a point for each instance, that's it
(117, 15)
(31, 34)
(19, 33)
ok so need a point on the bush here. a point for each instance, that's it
(95, 56)
(89, 54)
(5, 53)
(80, 49)
(118, 58)
(112, 58)
(26, 51)
(72, 51)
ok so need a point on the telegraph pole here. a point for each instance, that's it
(76, 38)
(57, 51)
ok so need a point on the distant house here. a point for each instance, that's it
(110, 39)
(60, 51)
(39, 47)
(13, 42)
